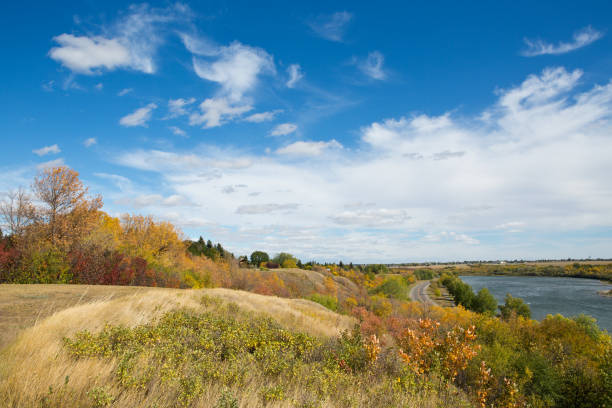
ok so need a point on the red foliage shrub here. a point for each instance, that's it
(370, 323)
(9, 258)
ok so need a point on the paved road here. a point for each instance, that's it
(419, 293)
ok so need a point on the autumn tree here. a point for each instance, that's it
(17, 211)
(68, 212)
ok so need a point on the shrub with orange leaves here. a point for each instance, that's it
(425, 345)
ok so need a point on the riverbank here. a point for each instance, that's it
(605, 293)
(601, 271)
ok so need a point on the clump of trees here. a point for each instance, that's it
(208, 249)
(514, 307)
(482, 302)
(57, 233)
(259, 257)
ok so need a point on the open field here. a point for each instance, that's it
(22, 306)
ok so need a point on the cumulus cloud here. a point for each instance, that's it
(581, 38)
(43, 151)
(372, 66)
(84, 54)
(263, 116)
(283, 129)
(139, 117)
(295, 74)
(331, 27)
(217, 111)
(308, 148)
(236, 69)
(90, 142)
(538, 155)
(131, 42)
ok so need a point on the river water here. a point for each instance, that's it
(566, 296)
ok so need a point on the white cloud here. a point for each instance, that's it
(372, 66)
(283, 129)
(539, 155)
(295, 74)
(124, 91)
(50, 164)
(139, 117)
(263, 116)
(131, 42)
(371, 217)
(176, 107)
(90, 142)
(254, 209)
(123, 183)
(84, 55)
(217, 111)
(43, 151)
(581, 38)
(100, 86)
(200, 45)
(332, 27)
(236, 69)
(308, 148)
(177, 131)
(149, 200)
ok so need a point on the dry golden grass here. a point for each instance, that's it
(37, 360)
(21, 306)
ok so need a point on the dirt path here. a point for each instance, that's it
(418, 293)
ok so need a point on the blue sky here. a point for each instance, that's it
(361, 131)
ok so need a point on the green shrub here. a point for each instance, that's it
(514, 307)
(393, 287)
(330, 302)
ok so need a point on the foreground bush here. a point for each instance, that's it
(177, 360)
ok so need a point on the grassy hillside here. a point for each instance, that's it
(155, 354)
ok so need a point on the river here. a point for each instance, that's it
(548, 295)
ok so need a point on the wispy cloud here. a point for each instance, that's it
(254, 209)
(124, 91)
(331, 27)
(263, 116)
(139, 117)
(295, 74)
(177, 131)
(90, 142)
(236, 69)
(283, 129)
(581, 38)
(372, 66)
(217, 111)
(43, 151)
(131, 42)
(312, 149)
(177, 107)
(49, 164)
